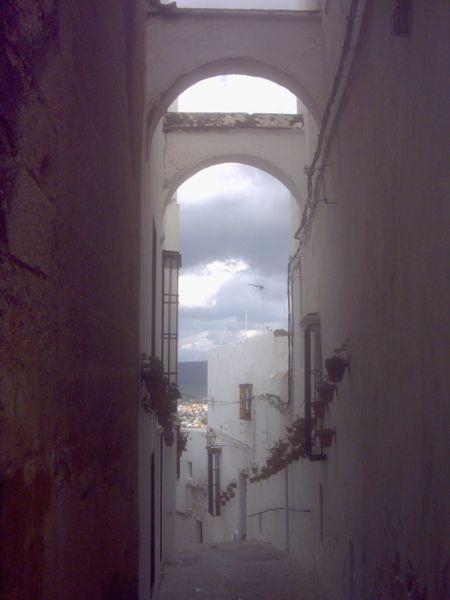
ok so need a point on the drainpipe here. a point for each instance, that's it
(286, 491)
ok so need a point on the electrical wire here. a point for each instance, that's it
(320, 150)
(262, 396)
(319, 154)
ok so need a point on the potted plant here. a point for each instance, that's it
(152, 374)
(162, 395)
(325, 437)
(336, 365)
(326, 391)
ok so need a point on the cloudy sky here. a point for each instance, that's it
(234, 231)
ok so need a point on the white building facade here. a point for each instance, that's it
(247, 413)
(192, 488)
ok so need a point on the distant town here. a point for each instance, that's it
(192, 414)
(192, 382)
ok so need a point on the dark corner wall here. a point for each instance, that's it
(71, 114)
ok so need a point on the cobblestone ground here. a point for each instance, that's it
(236, 571)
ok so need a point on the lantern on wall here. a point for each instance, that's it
(211, 437)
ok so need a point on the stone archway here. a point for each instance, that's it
(286, 49)
(275, 147)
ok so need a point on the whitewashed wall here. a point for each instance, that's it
(152, 211)
(278, 151)
(196, 455)
(372, 270)
(261, 361)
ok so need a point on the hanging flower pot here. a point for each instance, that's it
(319, 407)
(169, 436)
(326, 391)
(335, 367)
(325, 437)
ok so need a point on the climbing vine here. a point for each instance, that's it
(228, 493)
(283, 452)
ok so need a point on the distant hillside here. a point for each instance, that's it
(193, 379)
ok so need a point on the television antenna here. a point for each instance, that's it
(262, 289)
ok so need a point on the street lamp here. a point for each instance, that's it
(211, 437)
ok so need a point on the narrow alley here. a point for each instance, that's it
(224, 300)
(237, 570)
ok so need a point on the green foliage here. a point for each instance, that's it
(161, 395)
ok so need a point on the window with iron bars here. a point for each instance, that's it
(214, 459)
(245, 401)
(313, 369)
(171, 263)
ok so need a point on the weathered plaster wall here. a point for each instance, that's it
(71, 103)
(373, 269)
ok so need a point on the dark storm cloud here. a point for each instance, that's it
(252, 225)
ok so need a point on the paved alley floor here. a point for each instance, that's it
(236, 571)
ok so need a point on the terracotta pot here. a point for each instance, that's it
(326, 392)
(335, 367)
(325, 437)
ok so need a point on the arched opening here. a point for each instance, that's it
(238, 93)
(229, 66)
(235, 243)
(251, 161)
(231, 94)
(226, 298)
(267, 149)
(237, 214)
